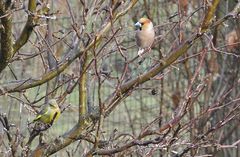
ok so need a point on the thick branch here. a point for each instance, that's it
(77, 130)
(7, 48)
(26, 84)
(6, 52)
(116, 97)
(28, 28)
(209, 16)
(83, 91)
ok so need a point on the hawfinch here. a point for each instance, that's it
(144, 34)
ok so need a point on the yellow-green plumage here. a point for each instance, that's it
(49, 111)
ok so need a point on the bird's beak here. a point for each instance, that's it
(138, 25)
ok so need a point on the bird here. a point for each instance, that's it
(144, 34)
(49, 114)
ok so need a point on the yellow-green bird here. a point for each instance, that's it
(50, 113)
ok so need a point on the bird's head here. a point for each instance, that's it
(53, 103)
(144, 24)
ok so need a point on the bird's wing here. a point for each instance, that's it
(41, 113)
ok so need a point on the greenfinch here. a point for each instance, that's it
(50, 112)
(144, 34)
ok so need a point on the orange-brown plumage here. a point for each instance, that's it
(144, 34)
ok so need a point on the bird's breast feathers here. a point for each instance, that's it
(145, 38)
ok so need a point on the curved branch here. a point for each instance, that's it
(28, 28)
(26, 84)
(8, 49)
(77, 130)
(116, 97)
(113, 100)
